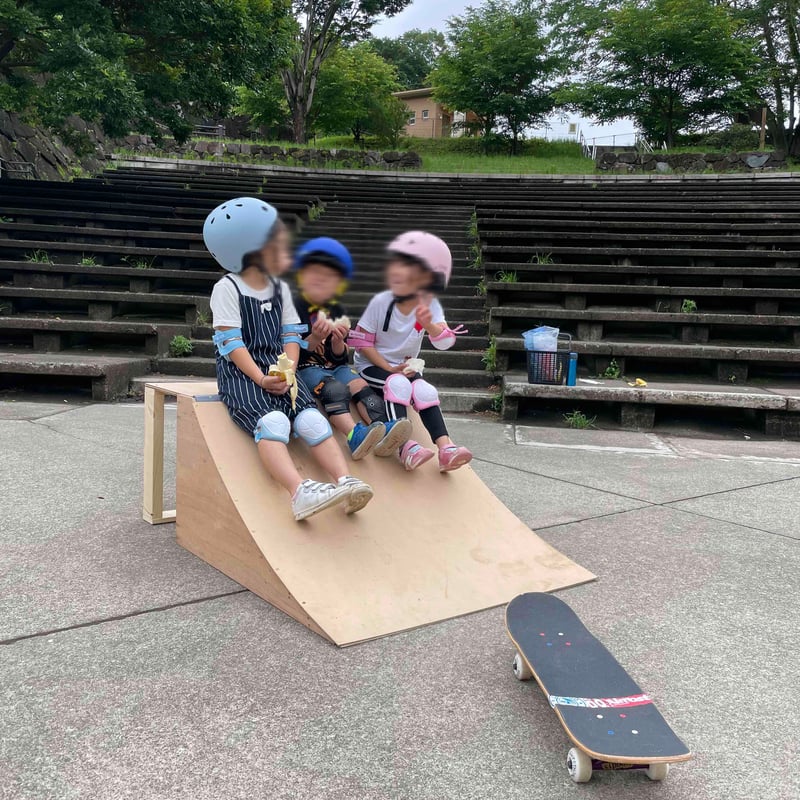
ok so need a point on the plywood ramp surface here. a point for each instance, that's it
(427, 548)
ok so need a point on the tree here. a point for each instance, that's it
(265, 104)
(354, 90)
(671, 65)
(134, 64)
(324, 25)
(499, 66)
(414, 54)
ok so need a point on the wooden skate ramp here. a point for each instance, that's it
(427, 548)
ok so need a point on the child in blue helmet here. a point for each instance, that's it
(324, 266)
(255, 322)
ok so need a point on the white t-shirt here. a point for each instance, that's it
(225, 302)
(402, 341)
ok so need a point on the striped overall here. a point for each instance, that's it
(247, 402)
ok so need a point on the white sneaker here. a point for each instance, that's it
(359, 493)
(312, 497)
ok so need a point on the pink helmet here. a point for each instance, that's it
(428, 250)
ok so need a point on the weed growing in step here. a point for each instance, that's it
(39, 257)
(315, 211)
(497, 403)
(507, 277)
(88, 261)
(480, 289)
(541, 258)
(139, 263)
(180, 347)
(472, 228)
(579, 421)
(203, 317)
(6, 220)
(689, 307)
(612, 371)
(489, 358)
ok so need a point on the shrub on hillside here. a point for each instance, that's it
(736, 138)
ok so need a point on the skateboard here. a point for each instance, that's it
(613, 724)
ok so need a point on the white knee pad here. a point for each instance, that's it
(312, 427)
(423, 395)
(397, 389)
(273, 427)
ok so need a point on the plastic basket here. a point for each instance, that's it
(547, 367)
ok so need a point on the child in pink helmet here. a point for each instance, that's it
(389, 336)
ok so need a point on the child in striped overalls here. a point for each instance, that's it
(255, 322)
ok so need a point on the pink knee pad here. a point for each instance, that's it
(423, 395)
(397, 389)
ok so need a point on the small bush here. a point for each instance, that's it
(39, 257)
(180, 347)
(507, 277)
(490, 356)
(612, 371)
(689, 307)
(737, 137)
(88, 261)
(579, 420)
(541, 258)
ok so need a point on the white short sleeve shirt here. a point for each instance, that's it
(225, 302)
(403, 340)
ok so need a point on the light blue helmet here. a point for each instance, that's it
(236, 228)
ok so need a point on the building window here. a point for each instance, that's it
(425, 114)
(412, 120)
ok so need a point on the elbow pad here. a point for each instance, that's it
(228, 341)
(359, 339)
(292, 335)
(447, 338)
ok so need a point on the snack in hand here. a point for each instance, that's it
(414, 365)
(285, 369)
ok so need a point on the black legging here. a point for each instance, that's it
(431, 417)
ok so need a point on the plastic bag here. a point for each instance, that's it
(543, 338)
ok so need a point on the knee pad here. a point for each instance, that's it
(376, 410)
(335, 396)
(397, 389)
(273, 427)
(312, 427)
(423, 395)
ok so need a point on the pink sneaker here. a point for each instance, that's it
(452, 457)
(413, 455)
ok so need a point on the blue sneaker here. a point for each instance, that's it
(396, 434)
(362, 439)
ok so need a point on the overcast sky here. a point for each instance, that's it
(425, 14)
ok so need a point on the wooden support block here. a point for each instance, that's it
(140, 285)
(47, 342)
(590, 331)
(637, 416)
(766, 307)
(782, 423)
(38, 280)
(153, 503)
(510, 408)
(735, 372)
(733, 283)
(102, 312)
(575, 302)
(796, 337)
(694, 334)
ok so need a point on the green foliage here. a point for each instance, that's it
(499, 66)
(265, 103)
(324, 25)
(507, 277)
(688, 307)
(497, 403)
(139, 262)
(134, 65)
(612, 371)
(202, 317)
(315, 211)
(388, 120)
(180, 347)
(413, 54)
(88, 261)
(541, 258)
(6, 220)
(489, 358)
(671, 65)
(472, 228)
(737, 137)
(579, 421)
(38, 257)
(355, 86)
(480, 289)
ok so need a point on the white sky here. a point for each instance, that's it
(425, 14)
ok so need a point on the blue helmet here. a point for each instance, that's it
(236, 228)
(325, 251)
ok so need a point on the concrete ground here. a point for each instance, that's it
(130, 669)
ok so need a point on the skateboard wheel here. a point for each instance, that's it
(579, 765)
(658, 772)
(521, 670)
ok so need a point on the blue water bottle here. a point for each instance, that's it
(572, 372)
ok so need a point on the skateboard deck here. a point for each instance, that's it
(602, 708)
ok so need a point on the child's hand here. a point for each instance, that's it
(322, 328)
(424, 315)
(340, 333)
(274, 384)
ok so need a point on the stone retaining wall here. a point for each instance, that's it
(243, 151)
(667, 163)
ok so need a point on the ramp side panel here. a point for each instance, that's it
(428, 547)
(209, 524)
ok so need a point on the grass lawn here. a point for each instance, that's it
(516, 165)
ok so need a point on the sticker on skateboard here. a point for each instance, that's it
(612, 723)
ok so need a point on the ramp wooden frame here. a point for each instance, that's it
(429, 547)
